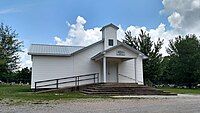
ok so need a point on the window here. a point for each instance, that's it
(110, 42)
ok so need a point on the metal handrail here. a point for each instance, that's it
(130, 78)
(126, 76)
(95, 77)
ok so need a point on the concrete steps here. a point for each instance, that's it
(122, 89)
(111, 89)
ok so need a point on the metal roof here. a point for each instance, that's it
(58, 50)
(61, 50)
(111, 25)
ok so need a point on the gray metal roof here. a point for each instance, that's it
(58, 50)
(111, 25)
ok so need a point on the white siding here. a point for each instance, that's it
(83, 63)
(52, 67)
(139, 72)
(109, 33)
(48, 67)
(128, 53)
(126, 68)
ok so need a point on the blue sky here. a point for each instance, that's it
(77, 22)
(39, 21)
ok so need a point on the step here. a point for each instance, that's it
(124, 93)
(118, 83)
(122, 89)
(119, 88)
(113, 89)
(106, 93)
(91, 90)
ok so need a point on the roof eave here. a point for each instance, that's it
(97, 55)
(137, 51)
(42, 54)
(80, 50)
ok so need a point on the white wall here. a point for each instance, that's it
(83, 63)
(48, 67)
(126, 68)
(128, 53)
(139, 72)
(53, 67)
(109, 33)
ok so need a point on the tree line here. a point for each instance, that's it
(10, 47)
(180, 67)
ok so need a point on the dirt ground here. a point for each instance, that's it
(179, 104)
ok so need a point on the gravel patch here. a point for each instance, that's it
(157, 96)
(178, 104)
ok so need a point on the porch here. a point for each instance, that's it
(113, 70)
(120, 64)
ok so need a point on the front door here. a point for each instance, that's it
(112, 72)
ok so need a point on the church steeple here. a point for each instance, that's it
(109, 35)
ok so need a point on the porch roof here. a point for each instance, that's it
(100, 54)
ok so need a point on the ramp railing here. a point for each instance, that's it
(55, 83)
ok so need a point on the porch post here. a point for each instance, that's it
(104, 69)
(135, 71)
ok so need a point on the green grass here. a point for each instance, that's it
(181, 90)
(23, 93)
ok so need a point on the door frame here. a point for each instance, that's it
(108, 67)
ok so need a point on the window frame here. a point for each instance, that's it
(110, 42)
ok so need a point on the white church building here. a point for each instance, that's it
(106, 61)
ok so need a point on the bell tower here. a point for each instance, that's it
(109, 35)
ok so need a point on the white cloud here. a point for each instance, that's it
(9, 10)
(195, 4)
(159, 32)
(181, 6)
(59, 41)
(78, 35)
(120, 33)
(135, 30)
(175, 20)
(80, 20)
(25, 59)
(184, 14)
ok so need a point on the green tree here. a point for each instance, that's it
(10, 47)
(151, 49)
(185, 60)
(167, 75)
(23, 76)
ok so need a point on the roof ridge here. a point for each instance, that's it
(111, 24)
(56, 45)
